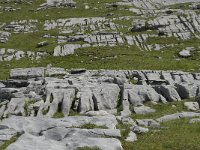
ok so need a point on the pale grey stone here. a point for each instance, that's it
(169, 92)
(132, 137)
(194, 120)
(138, 129)
(178, 116)
(193, 106)
(143, 110)
(28, 141)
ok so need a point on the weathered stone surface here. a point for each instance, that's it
(132, 137)
(141, 93)
(187, 90)
(66, 49)
(15, 107)
(186, 52)
(143, 110)
(97, 113)
(194, 120)
(138, 129)
(28, 141)
(58, 133)
(193, 106)
(178, 116)
(169, 92)
(22, 73)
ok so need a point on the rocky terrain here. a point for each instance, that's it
(99, 75)
(33, 98)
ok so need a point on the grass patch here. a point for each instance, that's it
(27, 104)
(58, 115)
(162, 109)
(124, 128)
(74, 113)
(88, 148)
(7, 143)
(177, 135)
(92, 126)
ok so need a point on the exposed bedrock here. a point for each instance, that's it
(46, 91)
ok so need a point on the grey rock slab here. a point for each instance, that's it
(192, 106)
(24, 73)
(169, 92)
(59, 133)
(2, 85)
(96, 113)
(86, 102)
(67, 101)
(138, 129)
(35, 125)
(7, 134)
(143, 110)
(106, 96)
(178, 116)
(141, 93)
(194, 120)
(186, 91)
(101, 143)
(66, 49)
(132, 137)
(15, 107)
(28, 141)
(126, 111)
(109, 121)
(55, 72)
(127, 120)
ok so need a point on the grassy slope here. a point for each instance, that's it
(128, 57)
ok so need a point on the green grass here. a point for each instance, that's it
(177, 135)
(58, 115)
(7, 143)
(74, 113)
(27, 104)
(183, 6)
(88, 148)
(173, 135)
(130, 58)
(29, 11)
(162, 109)
(92, 126)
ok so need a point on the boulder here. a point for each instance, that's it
(192, 106)
(138, 94)
(65, 50)
(187, 91)
(16, 107)
(132, 137)
(168, 92)
(138, 129)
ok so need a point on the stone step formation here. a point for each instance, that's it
(31, 97)
(52, 108)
